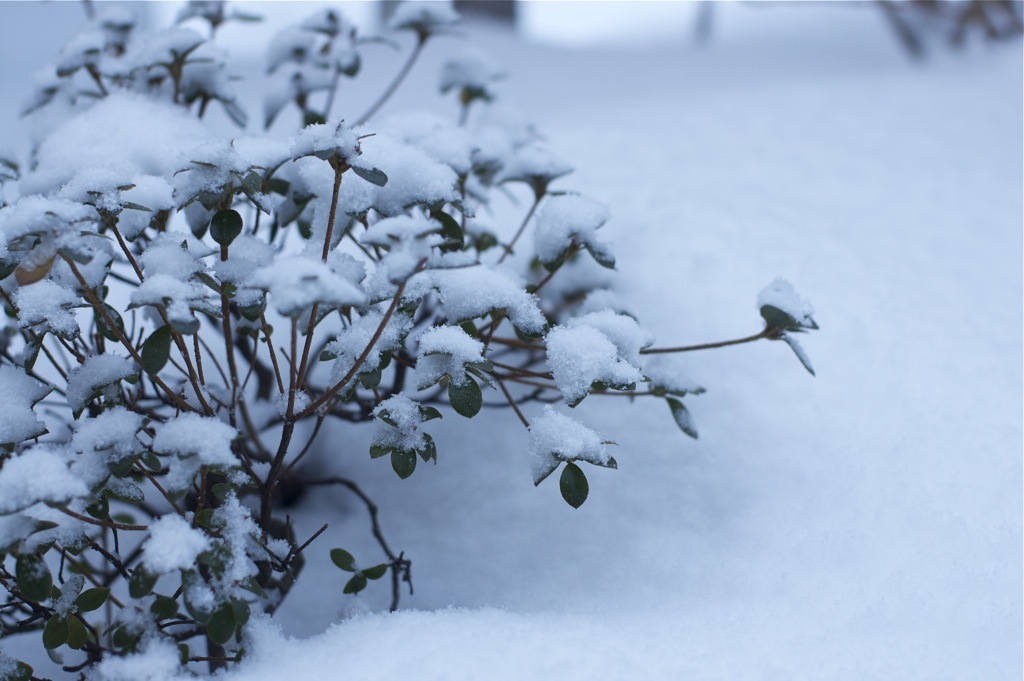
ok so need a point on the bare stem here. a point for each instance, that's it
(402, 73)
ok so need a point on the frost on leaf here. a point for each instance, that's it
(100, 376)
(567, 220)
(295, 283)
(447, 351)
(18, 394)
(581, 356)
(555, 437)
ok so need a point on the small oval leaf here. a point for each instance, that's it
(77, 634)
(141, 583)
(404, 462)
(33, 577)
(356, 584)
(371, 175)
(682, 416)
(343, 559)
(55, 633)
(466, 399)
(221, 626)
(92, 599)
(375, 572)
(574, 485)
(225, 226)
(156, 350)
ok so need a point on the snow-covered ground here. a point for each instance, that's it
(864, 524)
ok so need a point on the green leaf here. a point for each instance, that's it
(204, 518)
(92, 599)
(343, 559)
(574, 485)
(356, 584)
(225, 226)
(242, 612)
(21, 672)
(221, 626)
(156, 350)
(404, 462)
(429, 413)
(99, 509)
(104, 328)
(33, 577)
(377, 451)
(141, 583)
(799, 352)
(164, 607)
(375, 572)
(56, 632)
(77, 634)
(682, 416)
(371, 175)
(183, 653)
(466, 399)
(451, 230)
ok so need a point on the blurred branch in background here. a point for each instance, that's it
(915, 21)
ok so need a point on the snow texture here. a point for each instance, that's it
(295, 283)
(582, 355)
(128, 133)
(471, 292)
(555, 437)
(41, 474)
(46, 306)
(194, 441)
(445, 351)
(18, 393)
(173, 544)
(781, 294)
(405, 434)
(567, 219)
(100, 375)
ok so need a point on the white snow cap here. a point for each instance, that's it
(173, 544)
(555, 437)
(781, 294)
(99, 372)
(446, 350)
(567, 218)
(470, 292)
(405, 434)
(427, 15)
(18, 392)
(582, 355)
(40, 474)
(295, 283)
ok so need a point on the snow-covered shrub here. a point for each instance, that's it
(180, 300)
